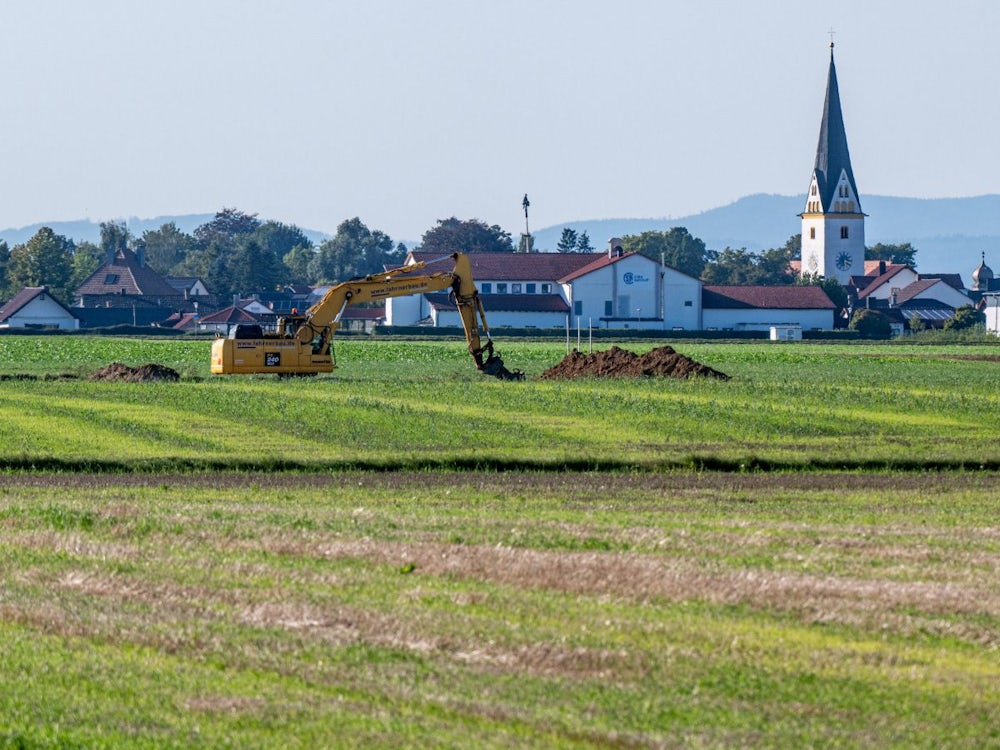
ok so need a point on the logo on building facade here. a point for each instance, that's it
(634, 278)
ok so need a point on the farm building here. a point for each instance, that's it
(760, 308)
(35, 307)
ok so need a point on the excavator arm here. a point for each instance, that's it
(301, 345)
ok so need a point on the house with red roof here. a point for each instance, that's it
(35, 307)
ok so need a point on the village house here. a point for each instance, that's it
(34, 307)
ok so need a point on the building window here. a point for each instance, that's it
(812, 233)
(812, 190)
(529, 288)
(487, 287)
(501, 288)
(111, 278)
(843, 233)
(688, 303)
(546, 289)
(609, 309)
(850, 206)
(515, 288)
(578, 308)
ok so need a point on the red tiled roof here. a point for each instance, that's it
(602, 262)
(363, 313)
(506, 302)
(915, 289)
(124, 275)
(519, 266)
(229, 315)
(769, 297)
(180, 321)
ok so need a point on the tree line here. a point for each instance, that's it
(238, 253)
(233, 253)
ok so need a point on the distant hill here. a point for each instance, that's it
(949, 233)
(86, 230)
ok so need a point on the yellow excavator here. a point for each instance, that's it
(301, 345)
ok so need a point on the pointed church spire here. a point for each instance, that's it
(832, 156)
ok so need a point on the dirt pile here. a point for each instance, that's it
(663, 362)
(143, 374)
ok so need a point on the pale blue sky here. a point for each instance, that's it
(403, 113)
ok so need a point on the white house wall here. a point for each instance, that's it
(942, 292)
(902, 279)
(992, 311)
(761, 319)
(405, 311)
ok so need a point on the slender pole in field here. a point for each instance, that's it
(590, 334)
(567, 334)
(578, 334)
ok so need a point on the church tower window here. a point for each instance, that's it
(812, 233)
(843, 233)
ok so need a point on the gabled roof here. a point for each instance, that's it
(954, 280)
(518, 266)
(180, 321)
(24, 297)
(506, 302)
(125, 275)
(766, 297)
(832, 156)
(603, 261)
(915, 289)
(891, 271)
(230, 315)
(183, 283)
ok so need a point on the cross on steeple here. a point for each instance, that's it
(831, 32)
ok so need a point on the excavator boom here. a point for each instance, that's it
(301, 344)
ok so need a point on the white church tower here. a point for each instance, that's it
(833, 225)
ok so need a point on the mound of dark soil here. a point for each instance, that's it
(143, 374)
(663, 362)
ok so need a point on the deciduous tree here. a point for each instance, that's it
(470, 236)
(44, 260)
(676, 247)
(965, 317)
(871, 323)
(166, 248)
(354, 251)
(903, 253)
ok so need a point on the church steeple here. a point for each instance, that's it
(833, 159)
(833, 225)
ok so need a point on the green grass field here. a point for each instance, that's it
(406, 554)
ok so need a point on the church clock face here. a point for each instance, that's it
(844, 261)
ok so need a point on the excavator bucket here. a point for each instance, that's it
(494, 367)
